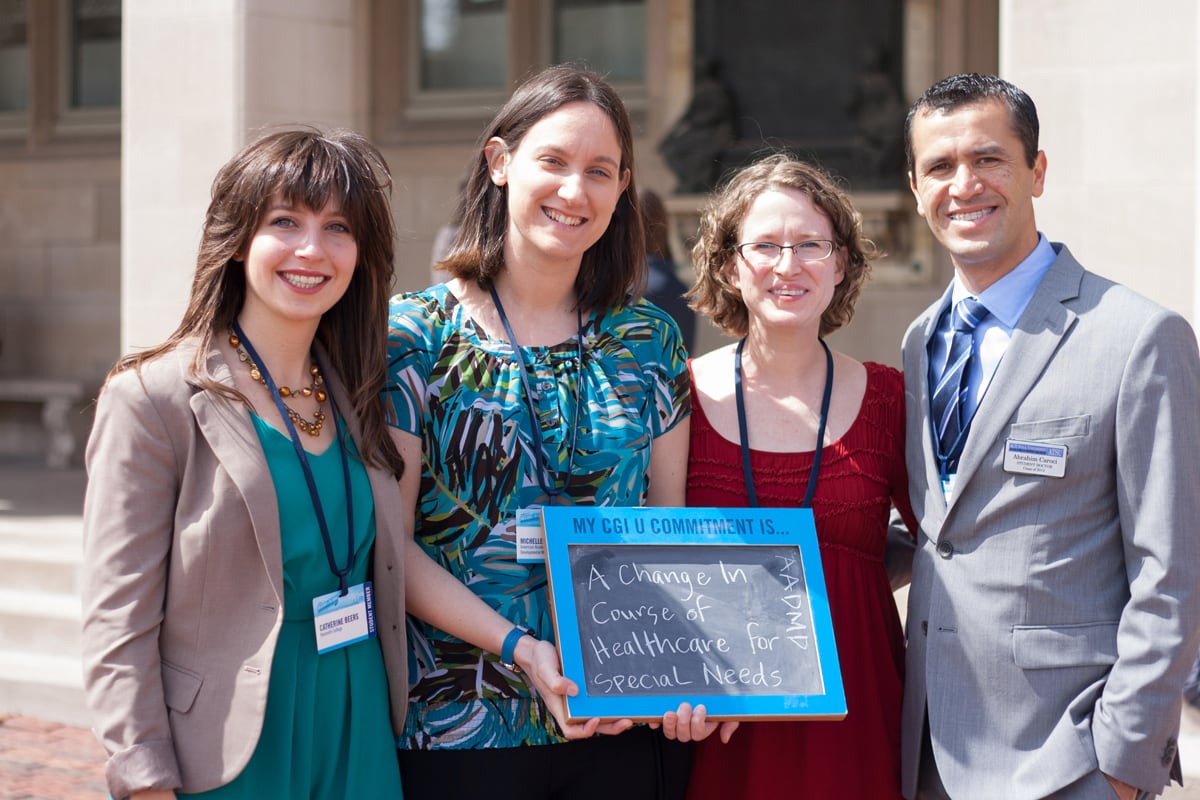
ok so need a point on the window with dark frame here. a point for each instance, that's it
(95, 53)
(60, 77)
(14, 55)
(607, 35)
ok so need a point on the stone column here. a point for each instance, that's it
(1118, 96)
(201, 78)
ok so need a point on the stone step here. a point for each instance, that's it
(28, 489)
(41, 535)
(43, 686)
(55, 531)
(40, 622)
(51, 565)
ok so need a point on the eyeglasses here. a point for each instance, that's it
(768, 254)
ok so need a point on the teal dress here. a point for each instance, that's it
(326, 732)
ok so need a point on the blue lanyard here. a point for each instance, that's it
(544, 478)
(342, 573)
(741, 412)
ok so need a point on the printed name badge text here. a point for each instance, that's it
(342, 620)
(531, 537)
(1035, 458)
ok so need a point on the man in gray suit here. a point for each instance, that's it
(1054, 465)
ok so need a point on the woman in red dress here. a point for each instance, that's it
(778, 419)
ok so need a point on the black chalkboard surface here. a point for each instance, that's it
(725, 607)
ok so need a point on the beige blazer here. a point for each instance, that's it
(183, 578)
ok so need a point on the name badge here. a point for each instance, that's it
(531, 536)
(342, 620)
(1035, 458)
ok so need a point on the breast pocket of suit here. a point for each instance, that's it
(1089, 644)
(1061, 430)
(180, 687)
(1047, 448)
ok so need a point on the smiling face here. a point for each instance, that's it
(563, 182)
(795, 292)
(975, 189)
(298, 264)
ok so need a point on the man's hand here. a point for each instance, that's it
(1124, 790)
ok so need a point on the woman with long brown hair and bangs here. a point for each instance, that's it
(243, 581)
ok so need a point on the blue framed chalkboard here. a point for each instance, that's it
(725, 607)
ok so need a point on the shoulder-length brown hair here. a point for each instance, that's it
(716, 296)
(612, 270)
(309, 169)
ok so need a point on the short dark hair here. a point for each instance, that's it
(967, 89)
(716, 296)
(612, 269)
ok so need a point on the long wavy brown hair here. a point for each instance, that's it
(307, 168)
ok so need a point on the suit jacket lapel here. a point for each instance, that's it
(1035, 339)
(226, 427)
(928, 325)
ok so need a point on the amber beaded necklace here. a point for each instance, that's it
(315, 388)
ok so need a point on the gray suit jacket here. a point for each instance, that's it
(183, 578)
(1051, 621)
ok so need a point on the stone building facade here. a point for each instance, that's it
(106, 154)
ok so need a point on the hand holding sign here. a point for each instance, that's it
(657, 608)
(692, 725)
(539, 662)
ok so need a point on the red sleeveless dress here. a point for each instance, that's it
(862, 475)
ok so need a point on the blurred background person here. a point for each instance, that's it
(663, 285)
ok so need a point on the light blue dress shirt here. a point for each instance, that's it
(1006, 300)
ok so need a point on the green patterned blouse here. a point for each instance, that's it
(461, 392)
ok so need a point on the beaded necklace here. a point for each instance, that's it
(315, 388)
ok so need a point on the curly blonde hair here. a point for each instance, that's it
(715, 295)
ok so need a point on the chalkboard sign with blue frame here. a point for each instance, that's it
(726, 607)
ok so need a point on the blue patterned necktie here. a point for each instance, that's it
(951, 387)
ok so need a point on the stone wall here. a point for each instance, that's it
(59, 283)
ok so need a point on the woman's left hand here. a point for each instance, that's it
(539, 662)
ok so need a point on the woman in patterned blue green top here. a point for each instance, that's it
(538, 320)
